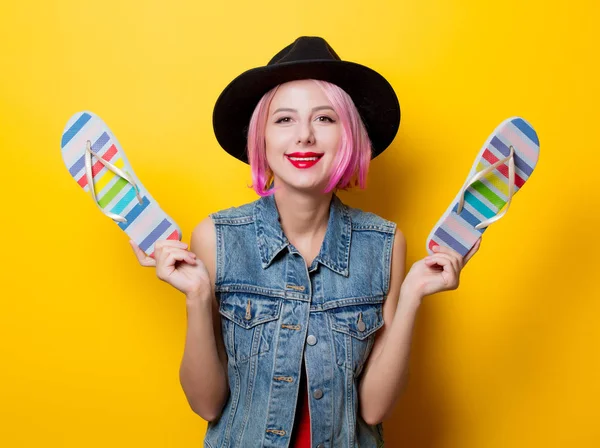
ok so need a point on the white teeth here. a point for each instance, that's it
(303, 159)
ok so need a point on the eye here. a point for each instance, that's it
(283, 120)
(325, 118)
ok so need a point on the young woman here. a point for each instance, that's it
(299, 313)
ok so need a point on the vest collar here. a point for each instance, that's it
(335, 250)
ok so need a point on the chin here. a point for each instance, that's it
(309, 186)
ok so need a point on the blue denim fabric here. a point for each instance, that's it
(276, 311)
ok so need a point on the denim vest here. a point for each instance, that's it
(277, 313)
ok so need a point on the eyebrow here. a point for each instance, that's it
(315, 109)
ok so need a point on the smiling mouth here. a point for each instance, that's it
(304, 160)
(304, 155)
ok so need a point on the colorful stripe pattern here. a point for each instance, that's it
(146, 222)
(485, 198)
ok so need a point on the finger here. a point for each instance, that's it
(171, 255)
(451, 258)
(170, 243)
(450, 252)
(167, 266)
(444, 250)
(473, 251)
(169, 248)
(447, 270)
(166, 245)
(143, 259)
(159, 245)
(438, 259)
(431, 263)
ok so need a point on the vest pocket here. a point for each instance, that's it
(249, 324)
(354, 328)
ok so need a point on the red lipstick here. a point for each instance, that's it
(304, 160)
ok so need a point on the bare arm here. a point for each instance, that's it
(386, 371)
(203, 371)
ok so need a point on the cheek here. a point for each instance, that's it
(275, 147)
(331, 140)
(330, 134)
(278, 135)
(276, 143)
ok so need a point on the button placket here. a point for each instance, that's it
(291, 335)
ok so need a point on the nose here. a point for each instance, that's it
(306, 135)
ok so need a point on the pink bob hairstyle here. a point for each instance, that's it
(351, 164)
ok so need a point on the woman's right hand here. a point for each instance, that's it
(176, 266)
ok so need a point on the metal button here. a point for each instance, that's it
(318, 394)
(320, 445)
(311, 340)
(361, 326)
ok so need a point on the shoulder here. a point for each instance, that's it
(204, 234)
(362, 220)
(203, 241)
(241, 214)
(396, 242)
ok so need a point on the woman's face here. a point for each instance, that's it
(302, 136)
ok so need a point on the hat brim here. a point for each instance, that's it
(372, 94)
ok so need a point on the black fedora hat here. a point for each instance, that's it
(307, 58)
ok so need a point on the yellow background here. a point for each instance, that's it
(90, 342)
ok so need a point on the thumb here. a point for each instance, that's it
(144, 259)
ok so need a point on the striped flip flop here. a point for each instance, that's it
(502, 167)
(95, 158)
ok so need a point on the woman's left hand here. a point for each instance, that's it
(437, 272)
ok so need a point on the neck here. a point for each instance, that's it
(303, 216)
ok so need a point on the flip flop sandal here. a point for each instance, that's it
(113, 185)
(501, 168)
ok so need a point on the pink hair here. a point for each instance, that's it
(352, 160)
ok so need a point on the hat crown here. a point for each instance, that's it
(305, 48)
